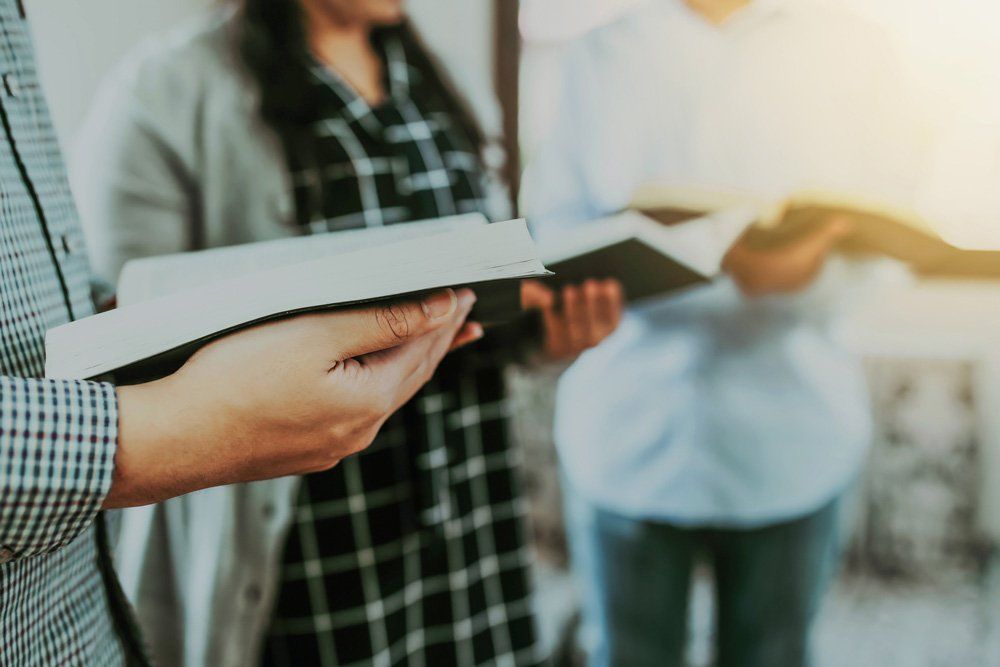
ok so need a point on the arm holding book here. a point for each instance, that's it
(331, 380)
(787, 269)
(328, 384)
(578, 316)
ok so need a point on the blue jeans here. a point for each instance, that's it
(636, 577)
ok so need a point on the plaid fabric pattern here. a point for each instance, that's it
(412, 553)
(57, 439)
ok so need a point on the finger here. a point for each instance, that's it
(386, 325)
(593, 312)
(403, 369)
(609, 307)
(841, 225)
(536, 296)
(469, 333)
(573, 316)
(616, 295)
(603, 304)
(808, 259)
(556, 337)
(792, 268)
(431, 351)
(540, 297)
(818, 244)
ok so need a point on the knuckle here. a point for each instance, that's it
(385, 405)
(381, 402)
(349, 439)
(330, 460)
(392, 321)
(363, 441)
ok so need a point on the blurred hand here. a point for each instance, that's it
(288, 397)
(577, 318)
(790, 268)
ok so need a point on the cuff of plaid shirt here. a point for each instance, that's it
(57, 450)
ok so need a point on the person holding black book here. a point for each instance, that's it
(289, 117)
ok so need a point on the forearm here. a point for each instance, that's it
(166, 446)
(284, 398)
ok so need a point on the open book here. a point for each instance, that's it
(152, 277)
(649, 258)
(879, 229)
(180, 302)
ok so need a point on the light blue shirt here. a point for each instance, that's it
(712, 408)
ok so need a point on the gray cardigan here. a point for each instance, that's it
(174, 157)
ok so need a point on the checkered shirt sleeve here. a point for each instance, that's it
(57, 438)
(57, 446)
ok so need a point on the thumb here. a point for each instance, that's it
(387, 325)
(822, 241)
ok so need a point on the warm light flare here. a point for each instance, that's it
(952, 55)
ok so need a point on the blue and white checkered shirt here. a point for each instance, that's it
(57, 438)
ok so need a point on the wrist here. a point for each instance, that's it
(159, 454)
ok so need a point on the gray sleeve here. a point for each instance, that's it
(135, 190)
(147, 566)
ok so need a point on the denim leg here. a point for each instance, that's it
(635, 577)
(770, 583)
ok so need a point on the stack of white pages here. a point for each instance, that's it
(169, 306)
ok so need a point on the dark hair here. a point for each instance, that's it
(271, 42)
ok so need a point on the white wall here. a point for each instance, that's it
(79, 40)
(460, 32)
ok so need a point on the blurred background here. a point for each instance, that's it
(921, 584)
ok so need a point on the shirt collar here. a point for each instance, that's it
(399, 78)
(399, 72)
(762, 8)
(755, 11)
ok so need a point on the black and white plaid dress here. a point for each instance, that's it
(412, 553)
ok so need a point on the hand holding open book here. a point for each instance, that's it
(281, 366)
(282, 398)
(876, 228)
(169, 307)
(786, 269)
(577, 317)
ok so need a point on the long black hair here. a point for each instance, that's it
(271, 43)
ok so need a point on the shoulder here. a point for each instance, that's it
(585, 65)
(823, 17)
(619, 25)
(629, 33)
(169, 95)
(838, 37)
(183, 65)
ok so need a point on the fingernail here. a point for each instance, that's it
(477, 331)
(466, 297)
(440, 304)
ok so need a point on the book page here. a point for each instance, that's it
(862, 206)
(151, 277)
(702, 243)
(692, 197)
(129, 334)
